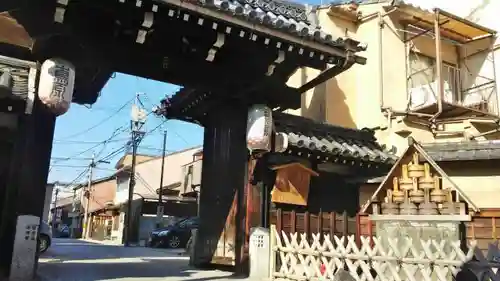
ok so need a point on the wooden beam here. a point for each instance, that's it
(488, 213)
(328, 74)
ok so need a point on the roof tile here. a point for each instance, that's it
(463, 151)
(331, 140)
(298, 19)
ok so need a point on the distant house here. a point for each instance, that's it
(126, 160)
(146, 190)
(191, 176)
(60, 212)
(103, 216)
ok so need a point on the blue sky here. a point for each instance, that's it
(81, 131)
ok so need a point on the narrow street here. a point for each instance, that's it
(77, 260)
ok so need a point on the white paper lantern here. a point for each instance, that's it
(259, 128)
(57, 82)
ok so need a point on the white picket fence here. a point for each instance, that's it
(295, 257)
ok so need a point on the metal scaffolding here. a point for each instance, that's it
(442, 89)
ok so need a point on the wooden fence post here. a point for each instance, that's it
(272, 245)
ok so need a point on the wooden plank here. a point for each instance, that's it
(332, 224)
(345, 224)
(320, 224)
(307, 224)
(494, 228)
(279, 220)
(488, 213)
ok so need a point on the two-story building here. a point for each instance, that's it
(431, 75)
(148, 179)
(98, 204)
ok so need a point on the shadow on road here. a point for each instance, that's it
(145, 269)
(86, 261)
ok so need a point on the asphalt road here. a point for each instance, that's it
(76, 260)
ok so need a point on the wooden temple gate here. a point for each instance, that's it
(225, 63)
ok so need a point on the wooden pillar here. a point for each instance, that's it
(29, 169)
(223, 174)
(269, 177)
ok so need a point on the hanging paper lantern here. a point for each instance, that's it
(259, 128)
(57, 82)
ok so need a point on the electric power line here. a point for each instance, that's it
(99, 123)
(69, 142)
(113, 153)
(115, 133)
(80, 176)
(104, 142)
(179, 136)
(81, 166)
(123, 148)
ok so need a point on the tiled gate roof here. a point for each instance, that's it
(294, 18)
(331, 141)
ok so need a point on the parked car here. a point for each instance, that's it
(173, 236)
(44, 237)
(61, 232)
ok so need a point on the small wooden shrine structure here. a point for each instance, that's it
(417, 185)
(292, 184)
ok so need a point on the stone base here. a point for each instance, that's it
(418, 227)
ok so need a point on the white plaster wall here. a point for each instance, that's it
(148, 174)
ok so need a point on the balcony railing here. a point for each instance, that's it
(460, 88)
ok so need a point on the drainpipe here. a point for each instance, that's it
(439, 66)
(380, 63)
(380, 16)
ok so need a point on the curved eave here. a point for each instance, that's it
(322, 43)
(335, 158)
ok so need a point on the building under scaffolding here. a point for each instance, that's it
(459, 82)
(430, 68)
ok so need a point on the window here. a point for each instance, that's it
(189, 223)
(121, 183)
(422, 71)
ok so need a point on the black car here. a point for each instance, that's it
(173, 236)
(62, 232)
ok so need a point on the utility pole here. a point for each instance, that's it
(87, 195)
(55, 209)
(159, 211)
(138, 118)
